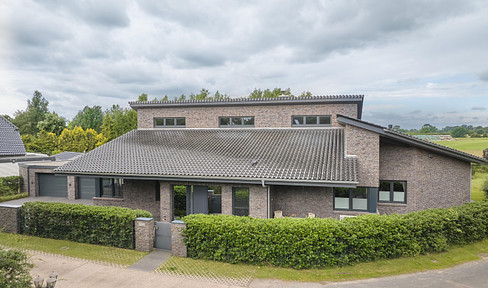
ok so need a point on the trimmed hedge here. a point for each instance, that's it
(109, 226)
(10, 185)
(307, 243)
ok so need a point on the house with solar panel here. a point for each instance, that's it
(267, 157)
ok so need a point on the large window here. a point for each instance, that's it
(323, 120)
(171, 122)
(392, 191)
(240, 201)
(351, 199)
(246, 121)
(111, 187)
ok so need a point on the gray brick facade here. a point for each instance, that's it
(265, 116)
(9, 216)
(144, 234)
(433, 180)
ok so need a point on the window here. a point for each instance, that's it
(351, 199)
(111, 187)
(157, 192)
(324, 120)
(214, 200)
(172, 122)
(392, 191)
(247, 121)
(240, 201)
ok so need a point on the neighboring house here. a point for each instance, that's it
(12, 150)
(257, 156)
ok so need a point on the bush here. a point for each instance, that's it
(306, 243)
(14, 269)
(485, 187)
(110, 226)
(10, 185)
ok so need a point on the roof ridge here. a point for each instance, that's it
(246, 99)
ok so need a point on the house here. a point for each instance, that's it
(297, 155)
(12, 150)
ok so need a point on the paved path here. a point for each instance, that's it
(151, 261)
(78, 273)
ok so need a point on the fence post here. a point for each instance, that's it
(178, 248)
(144, 234)
(10, 218)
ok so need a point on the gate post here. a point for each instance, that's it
(10, 218)
(144, 234)
(178, 248)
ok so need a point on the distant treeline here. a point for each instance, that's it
(454, 131)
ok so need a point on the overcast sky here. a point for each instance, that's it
(415, 62)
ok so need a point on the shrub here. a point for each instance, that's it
(485, 187)
(10, 185)
(14, 269)
(110, 226)
(306, 243)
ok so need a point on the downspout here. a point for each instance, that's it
(268, 192)
(28, 182)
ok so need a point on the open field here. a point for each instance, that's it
(473, 146)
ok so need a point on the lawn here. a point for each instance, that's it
(476, 184)
(473, 146)
(455, 256)
(112, 255)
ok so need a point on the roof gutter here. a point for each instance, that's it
(236, 180)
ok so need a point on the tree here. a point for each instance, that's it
(14, 269)
(459, 132)
(142, 97)
(36, 112)
(428, 129)
(276, 92)
(118, 121)
(52, 123)
(306, 94)
(485, 187)
(88, 118)
(46, 142)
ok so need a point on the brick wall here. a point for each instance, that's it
(178, 248)
(265, 116)
(258, 201)
(144, 234)
(300, 201)
(23, 174)
(366, 146)
(9, 218)
(72, 187)
(433, 180)
(137, 194)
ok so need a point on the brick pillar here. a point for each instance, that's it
(9, 218)
(72, 187)
(227, 199)
(166, 202)
(178, 248)
(144, 234)
(258, 201)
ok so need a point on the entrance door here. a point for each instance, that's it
(200, 200)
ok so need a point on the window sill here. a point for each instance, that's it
(391, 204)
(109, 199)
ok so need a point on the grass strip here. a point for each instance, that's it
(13, 197)
(119, 256)
(454, 256)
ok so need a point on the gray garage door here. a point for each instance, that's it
(86, 188)
(54, 186)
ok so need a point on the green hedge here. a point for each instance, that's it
(110, 226)
(306, 243)
(10, 185)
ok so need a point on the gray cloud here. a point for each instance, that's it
(478, 108)
(483, 76)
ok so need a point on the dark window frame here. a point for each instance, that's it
(230, 125)
(113, 187)
(351, 191)
(392, 192)
(234, 202)
(165, 119)
(304, 121)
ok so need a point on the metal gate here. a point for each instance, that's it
(163, 235)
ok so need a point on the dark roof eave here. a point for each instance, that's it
(385, 132)
(254, 181)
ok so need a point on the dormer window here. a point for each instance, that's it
(170, 122)
(311, 120)
(238, 121)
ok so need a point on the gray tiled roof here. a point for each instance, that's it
(67, 155)
(10, 142)
(279, 154)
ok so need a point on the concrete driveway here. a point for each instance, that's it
(78, 273)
